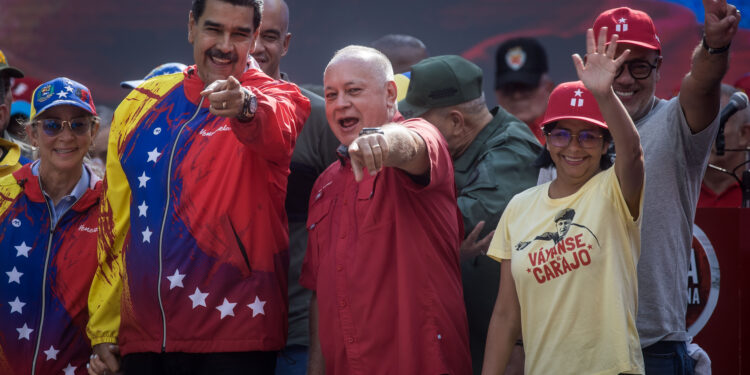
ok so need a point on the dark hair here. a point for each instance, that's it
(544, 159)
(200, 5)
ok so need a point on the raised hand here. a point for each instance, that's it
(722, 21)
(600, 68)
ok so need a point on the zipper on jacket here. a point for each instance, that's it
(164, 222)
(44, 281)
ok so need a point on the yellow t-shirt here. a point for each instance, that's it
(574, 265)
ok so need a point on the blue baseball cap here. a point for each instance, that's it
(61, 91)
(168, 68)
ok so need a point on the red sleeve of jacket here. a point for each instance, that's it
(282, 110)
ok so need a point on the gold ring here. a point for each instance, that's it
(224, 105)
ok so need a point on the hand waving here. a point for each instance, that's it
(600, 68)
(722, 21)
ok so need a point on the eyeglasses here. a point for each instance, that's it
(639, 69)
(54, 126)
(562, 137)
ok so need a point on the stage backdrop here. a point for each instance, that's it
(102, 42)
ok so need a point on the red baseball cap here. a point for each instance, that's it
(632, 26)
(572, 101)
(743, 83)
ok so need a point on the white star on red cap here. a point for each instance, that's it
(622, 20)
(578, 92)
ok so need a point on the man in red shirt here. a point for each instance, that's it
(384, 232)
(720, 189)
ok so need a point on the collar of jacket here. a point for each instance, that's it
(30, 185)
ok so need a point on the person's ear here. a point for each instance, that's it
(285, 45)
(457, 121)
(32, 133)
(191, 27)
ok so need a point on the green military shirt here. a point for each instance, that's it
(497, 165)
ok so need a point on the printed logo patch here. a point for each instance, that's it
(515, 58)
(45, 93)
(622, 25)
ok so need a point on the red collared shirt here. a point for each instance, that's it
(731, 197)
(383, 259)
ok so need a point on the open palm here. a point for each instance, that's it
(600, 68)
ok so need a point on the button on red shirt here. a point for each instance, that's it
(383, 259)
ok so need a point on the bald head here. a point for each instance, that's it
(403, 51)
(273, 38)
(372, 60)
(359, 91)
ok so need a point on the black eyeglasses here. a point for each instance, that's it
(639, 69)
(54, 126)
(562, 137)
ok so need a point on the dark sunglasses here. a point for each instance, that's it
(562, 137)
(54, 126)
(639, 69)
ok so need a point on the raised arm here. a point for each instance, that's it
(597, 74)
(700, 90)
(396, 147)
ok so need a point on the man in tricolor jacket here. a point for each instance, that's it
(193, 237)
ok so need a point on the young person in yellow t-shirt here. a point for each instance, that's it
(569, 248)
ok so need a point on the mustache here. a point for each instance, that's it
(215, 53)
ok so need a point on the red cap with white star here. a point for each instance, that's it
(572, 101)
(632, 26)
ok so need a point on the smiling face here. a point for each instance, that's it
(222, 39)
(574, 163)
(273, 40)
(65, 151)
(357, 95)
(637, 95)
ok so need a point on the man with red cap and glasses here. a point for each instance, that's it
(676, 136)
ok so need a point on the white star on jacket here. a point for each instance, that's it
(198, 298)
(24, 332)
(176, 279)
(257, 307)
(147, 235)
(226, 308)
(142, 209)
(16, 306)
(143, 179)
(23, 250)
(70, 370)
(51, 353)
(153, 155)
(14, 276)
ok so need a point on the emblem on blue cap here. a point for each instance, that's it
(45, 93)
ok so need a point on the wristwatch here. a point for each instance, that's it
(249, 106)
(714, 51)
(365, 131)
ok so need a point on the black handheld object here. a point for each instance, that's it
(737, 102)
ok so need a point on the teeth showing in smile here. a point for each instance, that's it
(64, 150)
(624, 93)
(220, 60)
(572, 160)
